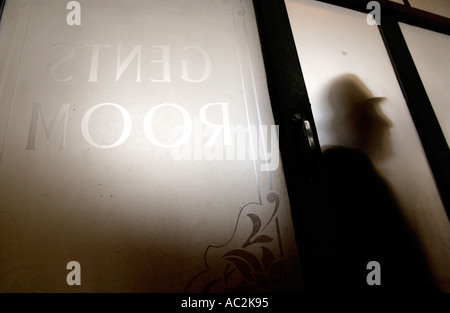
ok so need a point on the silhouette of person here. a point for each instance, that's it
(368, 224)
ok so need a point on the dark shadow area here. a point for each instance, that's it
(358, 121)
(363, 220)
(2, 6)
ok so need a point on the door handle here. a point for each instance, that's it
(307, 130)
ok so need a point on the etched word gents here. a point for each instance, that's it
(209, 135)
(150, 64)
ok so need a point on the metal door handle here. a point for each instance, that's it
(307, 129)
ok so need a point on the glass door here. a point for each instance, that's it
(359, 107)
(139, 151)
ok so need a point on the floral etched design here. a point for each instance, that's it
(246, 263)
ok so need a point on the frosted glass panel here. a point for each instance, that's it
(430, 51)
(439, 7)
(357, 103)
(140, 144)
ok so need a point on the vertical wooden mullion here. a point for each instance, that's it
(2, 6)
(422, 113)
(291, 108)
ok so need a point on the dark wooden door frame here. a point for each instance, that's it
(291, 107)
(299, 146)
(289, 95)
(2, 6)
(401, 13)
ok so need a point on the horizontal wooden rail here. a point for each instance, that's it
(401, 12)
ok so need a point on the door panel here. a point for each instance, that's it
(140, 144)
(429, 50)
(344, 62)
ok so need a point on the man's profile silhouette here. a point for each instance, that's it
(368, 223)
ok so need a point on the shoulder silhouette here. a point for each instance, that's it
(369, 225)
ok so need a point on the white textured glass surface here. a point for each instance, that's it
(430, 52)
(125, 147)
